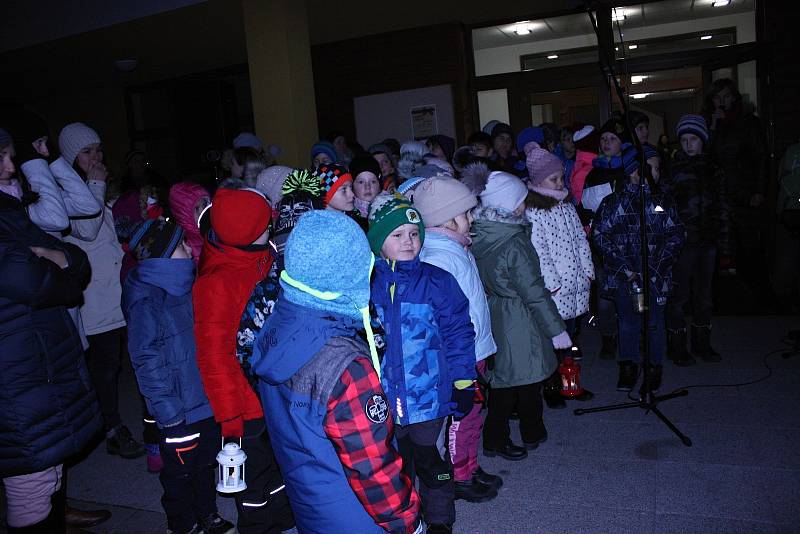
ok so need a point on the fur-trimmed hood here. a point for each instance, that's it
(484, 213)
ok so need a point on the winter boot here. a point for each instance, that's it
(678, 353)
(608, 350)
(701, 344)
(552, 392)
(654, 378)
(474, 491)
(487, 479)
(214, 524)
(119, 441)
(628, 374)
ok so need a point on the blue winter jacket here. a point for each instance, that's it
(616, 233)
(299, 355)
(430, 340)
(157, 301)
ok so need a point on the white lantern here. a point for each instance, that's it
(231, 468)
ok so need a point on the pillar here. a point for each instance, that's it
(281, 78)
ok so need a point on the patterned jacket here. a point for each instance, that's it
(429, 336)
(616, 233)
(258, 307)
(697, 184)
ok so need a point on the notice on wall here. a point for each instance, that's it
(423, 122)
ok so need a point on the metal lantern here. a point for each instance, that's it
(231, 468)
(570, 372)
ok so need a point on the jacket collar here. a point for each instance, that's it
(175, 276)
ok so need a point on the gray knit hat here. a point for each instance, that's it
(73, 138)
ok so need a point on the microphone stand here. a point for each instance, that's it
(648, 401)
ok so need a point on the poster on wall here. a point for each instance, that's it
(423, 122)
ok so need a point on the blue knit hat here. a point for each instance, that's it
(630, 157)
(155, 238)
(531, 133)
(324, 147)
(693, 124)
(328, 253)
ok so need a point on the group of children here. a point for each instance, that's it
(346, 324)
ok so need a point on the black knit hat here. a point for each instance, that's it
(155, 238)
(365, 163)
(617, 126)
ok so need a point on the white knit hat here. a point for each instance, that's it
(504, 191)
(73, 138)
(270, 182)
(248, 140)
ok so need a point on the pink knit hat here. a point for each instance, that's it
(182, 199)
(542, 164)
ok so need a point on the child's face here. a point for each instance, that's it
(482, 151)
(386, 164)
(461, 223)
(437, 151)
(642, 132)
(321, 159)
(610, 145)
(403, 244)
(691, 144)
(343, 198)
(366, 186)
(555, 181)
(502, 144)
(655, 167)
(567, 142)
(6, 165)
(89, 156)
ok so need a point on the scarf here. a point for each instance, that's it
(559, 194)
(463, 240)
(12, 188)
(362, 206)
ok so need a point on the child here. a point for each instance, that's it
(429, 366)
(481, 144)
(616, 233)
(187, 202)
(445, 205)
(561, 244)
(525, 319)
(157, 299)
(323, 402)
(366, 185)
(337, 187)
(697, 184)
(236, 256)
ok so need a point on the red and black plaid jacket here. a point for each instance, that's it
(362, 439)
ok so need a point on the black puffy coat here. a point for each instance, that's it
(50, 410)
(739, 145)
(697, 184)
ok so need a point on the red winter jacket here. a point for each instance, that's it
(226, 279)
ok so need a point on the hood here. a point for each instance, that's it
(175, 276)
(292, 335)
(490, 236)
(234, 260)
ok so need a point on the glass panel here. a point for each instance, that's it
(566, 107)
(493, 105)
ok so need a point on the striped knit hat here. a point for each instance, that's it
(155, 238)
(388, 212)
(693, 124)
(332, 177)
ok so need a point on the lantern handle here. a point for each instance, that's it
(222, 439)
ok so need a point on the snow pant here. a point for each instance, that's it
(263, 507)
(463, 437)
(527, 402)
(630, 329)
(189, 475)
(422, 447)
(692, 277)
(29, 498)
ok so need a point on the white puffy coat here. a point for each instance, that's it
(446, 254)
(564, 256)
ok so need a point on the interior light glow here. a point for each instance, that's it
(706, 37)
(639, 96)
(633, 47)
(552, 56)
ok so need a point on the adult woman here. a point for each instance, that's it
(50, 410)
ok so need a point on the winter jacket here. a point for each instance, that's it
(443, 252)
(564, 255)
(83, 209)
(227, 277)
(157, 299)
(330, 425)
(50, 410)
(739, 145)
(524, 317)
(101, 310)
(580, 170)
(616, 233)
(256, 310)
(600, 182)
(430, 341)
(697, 184)
(569, 163)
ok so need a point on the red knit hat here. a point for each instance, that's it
(239, 216)
(332, 177)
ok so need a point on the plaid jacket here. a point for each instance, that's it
(372, 466)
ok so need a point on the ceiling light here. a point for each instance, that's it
(618, 14)
(639, 78)
(639, 96)
(616, 48)
(720, 3)
(706, 37)
(633, 47)
(552, 56)
(522, 31)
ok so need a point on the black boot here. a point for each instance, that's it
(628, 373)
(552, 392)
(701, 344)
(608, 350)
(654, 378)
(676, 345)
(474, 491)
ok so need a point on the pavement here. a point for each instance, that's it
(616, 471)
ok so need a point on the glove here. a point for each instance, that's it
(233, 428)
(464, 399)
(562, 341)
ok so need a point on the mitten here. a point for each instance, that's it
(562, 341)
(464, 401)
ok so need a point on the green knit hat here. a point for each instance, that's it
(388, 212)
